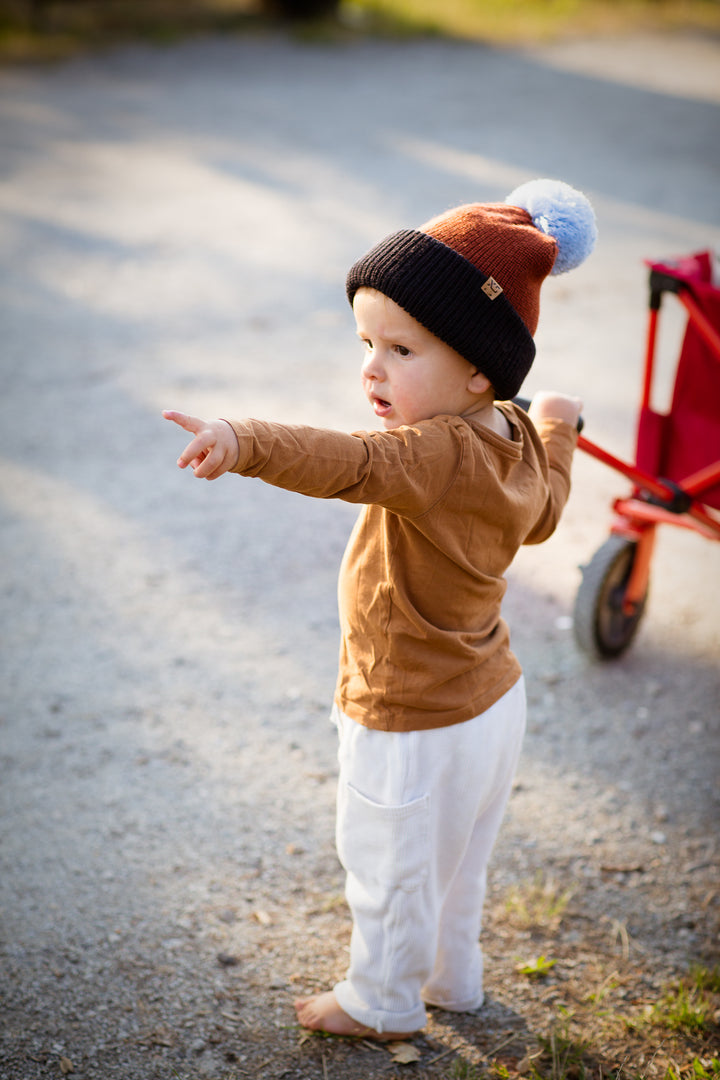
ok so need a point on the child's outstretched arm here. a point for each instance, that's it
(213, 451)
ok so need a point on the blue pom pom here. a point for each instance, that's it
(563, 213)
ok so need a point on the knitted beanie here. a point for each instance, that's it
(472, 276)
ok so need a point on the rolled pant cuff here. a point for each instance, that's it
(378, 1020)
(470, 1005)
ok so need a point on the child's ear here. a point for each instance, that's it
(478, 383)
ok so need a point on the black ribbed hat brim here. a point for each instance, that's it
(444, 292)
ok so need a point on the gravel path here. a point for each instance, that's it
(176, 225)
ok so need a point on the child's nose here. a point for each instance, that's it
(371, 368)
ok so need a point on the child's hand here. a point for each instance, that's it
(213, 451)
(547, 405)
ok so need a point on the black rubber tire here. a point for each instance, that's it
(602, 629)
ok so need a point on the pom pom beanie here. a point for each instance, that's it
(472, 276)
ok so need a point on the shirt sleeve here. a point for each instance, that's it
(405, 470)
(559, 440)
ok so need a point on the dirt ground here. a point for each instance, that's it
(176, 224)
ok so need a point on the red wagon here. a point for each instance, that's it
(676, 476)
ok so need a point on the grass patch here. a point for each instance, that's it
(593, 1035)
(538, 904)
(463, 1070)
(698, 1069)
(691, 1004)
(536, 969)
(512, 21)
(689, 1007)
(683, 1009)
(562, 1057)
(53, 29)
(49, 29)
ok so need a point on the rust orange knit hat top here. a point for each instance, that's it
(503, 238)
(472, 275)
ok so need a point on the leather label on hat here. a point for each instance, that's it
(491, 288)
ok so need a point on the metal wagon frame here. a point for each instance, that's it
(676, 476)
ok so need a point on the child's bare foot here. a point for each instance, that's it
(322, 1013)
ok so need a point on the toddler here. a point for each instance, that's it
(430, 700)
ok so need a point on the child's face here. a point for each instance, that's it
(409, 374)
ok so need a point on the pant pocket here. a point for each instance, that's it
(387, 844)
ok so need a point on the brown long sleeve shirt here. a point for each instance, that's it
(447, 504)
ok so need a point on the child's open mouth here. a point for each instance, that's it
(380, 405)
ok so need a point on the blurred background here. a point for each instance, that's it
(183, 187)
(56, 27)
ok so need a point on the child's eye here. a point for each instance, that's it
(402, 350)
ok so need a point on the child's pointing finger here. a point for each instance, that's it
(188, 423)
(214, 449)
(196, 451)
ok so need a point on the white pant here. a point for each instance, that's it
(418, 814)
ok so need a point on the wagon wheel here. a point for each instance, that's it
(601, 627)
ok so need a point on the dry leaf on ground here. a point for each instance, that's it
(404, 1053)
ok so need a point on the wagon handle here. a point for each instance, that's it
(524, 404)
